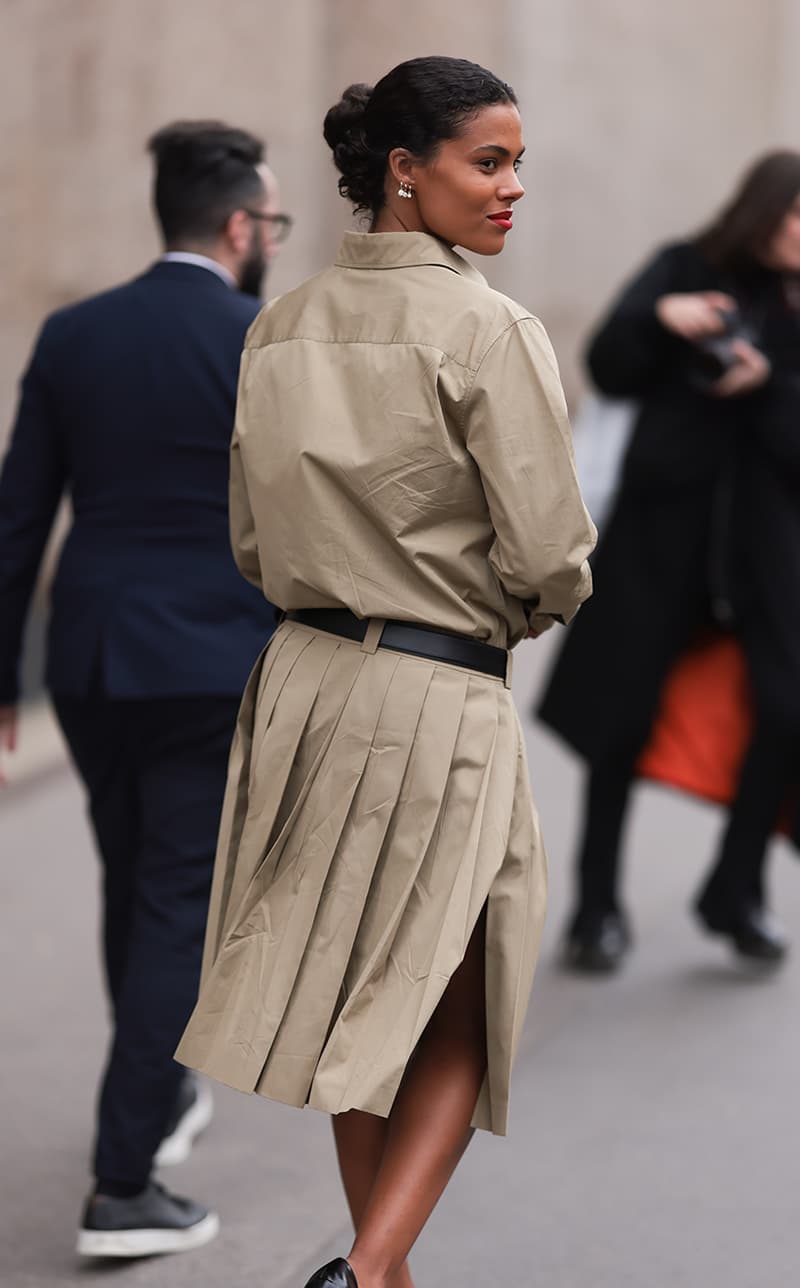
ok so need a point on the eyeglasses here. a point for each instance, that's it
(281, 224)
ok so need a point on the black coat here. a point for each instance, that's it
(766, 526)
(686, 540)
(128, 403)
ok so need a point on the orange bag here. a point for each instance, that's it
(704, 722)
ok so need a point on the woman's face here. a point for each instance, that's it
(464, 194)
(783, 251)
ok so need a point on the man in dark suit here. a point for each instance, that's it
(128, 404)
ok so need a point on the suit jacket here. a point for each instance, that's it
(128, 403)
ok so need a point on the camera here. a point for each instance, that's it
(715, 354)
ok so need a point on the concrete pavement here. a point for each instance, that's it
(40, 747)
(655, 1135)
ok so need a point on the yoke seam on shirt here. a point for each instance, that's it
(385, 344)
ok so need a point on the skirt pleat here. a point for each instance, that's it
(376, 804)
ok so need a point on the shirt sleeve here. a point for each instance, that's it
(517, 431)
(241, 521)
(242, 524)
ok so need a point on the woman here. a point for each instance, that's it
(706, 526)
(403, 486)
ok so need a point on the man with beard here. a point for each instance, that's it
(128, 405)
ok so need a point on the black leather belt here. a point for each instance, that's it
(420, 641)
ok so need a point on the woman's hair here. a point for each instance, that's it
(742, 231)
(416, 106)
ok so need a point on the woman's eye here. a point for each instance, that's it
(518, 165)
(489, 164)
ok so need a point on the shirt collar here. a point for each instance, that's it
(201, 261)
(401, 250)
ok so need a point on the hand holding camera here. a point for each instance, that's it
(748, 371)
(728, 363)
(695, 315)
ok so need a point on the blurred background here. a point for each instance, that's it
(652, 1141)
(637, 117)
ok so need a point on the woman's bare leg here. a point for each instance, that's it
(360, 1143)
(429, 1126)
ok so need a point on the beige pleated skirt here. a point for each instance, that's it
(376, 803)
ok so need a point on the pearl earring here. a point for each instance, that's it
(405, 190)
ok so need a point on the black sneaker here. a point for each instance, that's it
(151, 1223)
(193, 1112)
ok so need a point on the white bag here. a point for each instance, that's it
(601, 432)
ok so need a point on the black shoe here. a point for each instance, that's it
(193, 1112)
(753, 932)
(152, 1222)
(337, 1274)
(596, 943)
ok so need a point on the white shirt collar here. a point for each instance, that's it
(201, 261)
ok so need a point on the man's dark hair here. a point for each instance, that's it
(204, 171)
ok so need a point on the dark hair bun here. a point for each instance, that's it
(344, 133)
(346, 116)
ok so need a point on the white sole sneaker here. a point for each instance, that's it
(177, 1147)
(146, 1243)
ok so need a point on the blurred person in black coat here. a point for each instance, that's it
(128, 405)
(706, 526)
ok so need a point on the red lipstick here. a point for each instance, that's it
(503, 219)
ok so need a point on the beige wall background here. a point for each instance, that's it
(638, 117)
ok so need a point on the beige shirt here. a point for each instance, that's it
(402, 448)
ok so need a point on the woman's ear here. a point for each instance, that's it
(401, 166)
